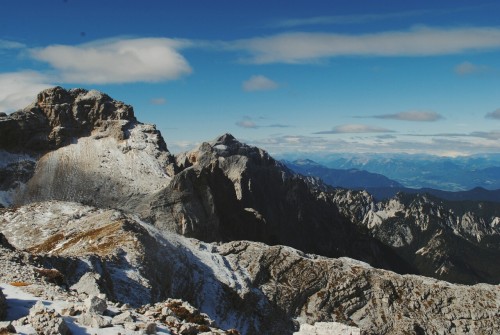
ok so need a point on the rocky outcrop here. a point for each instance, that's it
(226, 281)
(229, 191)
(86, 146)
(59, 116)
(453, 241)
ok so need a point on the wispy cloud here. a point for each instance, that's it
(466, 68)
(246, 123)
(494, 115)
(158, 101)
(19, 89)
(344, 19)
(304, 47)
(259, 83)
(278, 125)
(117, 61)
(490, 135)
(6, 44)
(249, 123)
(420, 116)
(354, 129)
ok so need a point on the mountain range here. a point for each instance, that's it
(379, 186)
(417, 171)
(90, 190)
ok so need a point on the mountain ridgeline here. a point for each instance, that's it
(74, 148)
(379, 186)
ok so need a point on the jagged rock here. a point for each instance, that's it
(232, 191)
(91, 319)
(88, 284)
(122, 318)
(95, 305)
(66, 130)
(58, 116)
(47, 322)
(327, 328)
(452, 241)
(189, 329)
(6, 327)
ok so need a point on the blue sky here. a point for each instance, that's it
(288, 76)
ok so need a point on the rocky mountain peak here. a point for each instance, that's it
(58, 116)
(85, 106)
(226, 139)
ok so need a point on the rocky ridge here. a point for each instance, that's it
(458, 242)
(226, 281)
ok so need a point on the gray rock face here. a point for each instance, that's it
(58, 116)
(95, 305)
(453, 241)
(88, 284)
(229, 191)
(86, 147)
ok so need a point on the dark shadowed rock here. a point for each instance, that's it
(230, 191)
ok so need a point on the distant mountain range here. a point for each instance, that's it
(380, 186)
(422, 171)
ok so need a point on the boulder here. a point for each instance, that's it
(120, 319)
(94, 320)
(95, 305)
(88, 284)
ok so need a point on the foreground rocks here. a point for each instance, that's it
(63, 309)
(223, 281)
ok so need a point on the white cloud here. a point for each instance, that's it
(19, 89)
(494, 115)
(117, 61)
(301, 47)
(411, 116)
(321, 145)
(355, 129)
(469, 68)
(158, 101)
(259, 83)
